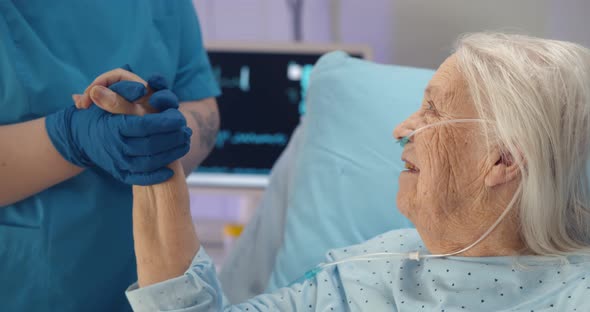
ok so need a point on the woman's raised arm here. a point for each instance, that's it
(164, 236)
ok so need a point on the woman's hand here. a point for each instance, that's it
(136, 100)
(164, 237)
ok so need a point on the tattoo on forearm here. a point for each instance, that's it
(208, 127)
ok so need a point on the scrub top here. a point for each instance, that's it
(70, 247)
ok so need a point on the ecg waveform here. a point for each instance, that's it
(223, 169)
(250, 138)
(263, 100)
(242, 81)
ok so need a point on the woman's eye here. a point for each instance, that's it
(430, 106)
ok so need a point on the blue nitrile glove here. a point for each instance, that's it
(133, 149)
(162, 98)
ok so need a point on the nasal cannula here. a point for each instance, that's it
(416, 255)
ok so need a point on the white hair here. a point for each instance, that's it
(536, 93)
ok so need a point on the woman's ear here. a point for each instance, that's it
(505, 169)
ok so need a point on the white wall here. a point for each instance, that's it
(270, 20)
(261, 20)
(423, 31)
(568, 20)
(406, 32)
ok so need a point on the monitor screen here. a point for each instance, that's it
(262, 101)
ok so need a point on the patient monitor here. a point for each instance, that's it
(263, 98)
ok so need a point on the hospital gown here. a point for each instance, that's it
(528, 283)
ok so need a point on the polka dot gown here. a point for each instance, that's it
(392, 284)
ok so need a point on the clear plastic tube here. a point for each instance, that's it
(403, 141)
(415, 255)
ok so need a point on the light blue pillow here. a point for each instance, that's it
(345, 176)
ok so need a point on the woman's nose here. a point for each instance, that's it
(406, 127)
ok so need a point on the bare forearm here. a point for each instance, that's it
(28, 162)
(203, 118)
(165, 239)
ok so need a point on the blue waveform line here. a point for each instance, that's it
(250, 138)
(222, 137)
(242, 81)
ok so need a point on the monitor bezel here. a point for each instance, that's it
(289, 47)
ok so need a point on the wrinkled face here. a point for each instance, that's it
(448, 162)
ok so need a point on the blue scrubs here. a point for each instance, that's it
(70, 247)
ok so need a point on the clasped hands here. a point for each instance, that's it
(133, 132)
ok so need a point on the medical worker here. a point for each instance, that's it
(65, 196)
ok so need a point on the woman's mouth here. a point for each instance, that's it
(410, 167)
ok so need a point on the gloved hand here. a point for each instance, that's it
(133, 149)
(160, 100)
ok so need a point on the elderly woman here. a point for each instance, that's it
(496, 184)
